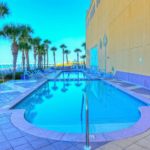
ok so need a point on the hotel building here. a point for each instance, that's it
(118, 38)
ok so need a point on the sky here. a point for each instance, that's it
(61, 21)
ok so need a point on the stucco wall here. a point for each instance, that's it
(127, 26)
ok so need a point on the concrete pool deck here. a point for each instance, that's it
(12, 138)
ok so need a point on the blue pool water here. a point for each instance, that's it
(60, 106)
(73, 75)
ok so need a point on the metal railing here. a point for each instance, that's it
(87, 146)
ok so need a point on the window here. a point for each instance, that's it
(92, 12)
(98, 2)
(94, 57)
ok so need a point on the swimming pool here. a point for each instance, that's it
(60, 106)
(72, 75)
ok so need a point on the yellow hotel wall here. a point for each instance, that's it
(127, 25)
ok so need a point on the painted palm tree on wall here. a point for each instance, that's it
(63, 47)
(3, 9)
(54, 49)
(12, 32)
(47, 43)
(35, 42)
(67, 52)
(77, 51)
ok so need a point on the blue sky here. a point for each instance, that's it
(61, 21)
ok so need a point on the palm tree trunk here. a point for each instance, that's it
(35, 57)
(27, 58)
(54, 59)
(84, 64)
(23, 60)
(44, 61)
(14, 65)
(38, 61)
(47, 59)
(14, 49)
(63, 58)
(78, 58)
(67, 58)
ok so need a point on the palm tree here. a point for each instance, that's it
(25, 39)
(22, 49)
(54, 49)
(35, 42)
(12, 32)
(3, 9)
(83, 57)
(84, 45)
(63, 46)
(40, 52)
(27, 49)
(77, 51)
(46, 43)
(44, 56)
(67, 52)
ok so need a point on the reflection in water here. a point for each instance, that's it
(55, 87)
(44, 93)
(47, 92)
(72, 75)
(78, 83)
(64, 110)
(78, 80)
(84, 89)
(64, 89)
(67, 81)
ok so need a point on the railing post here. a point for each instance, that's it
(87, 146)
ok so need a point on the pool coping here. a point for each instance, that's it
(20, 122)
(143, 124)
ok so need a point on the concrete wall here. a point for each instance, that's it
(127, 26)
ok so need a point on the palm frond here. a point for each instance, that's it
(63, 46)
(77, 50)
(11, 31)
(3, 9)
(53, 49)
(67, 52)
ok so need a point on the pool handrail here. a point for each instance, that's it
(87, 146)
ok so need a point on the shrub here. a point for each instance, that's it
(10, 76)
